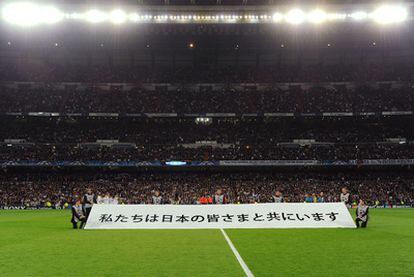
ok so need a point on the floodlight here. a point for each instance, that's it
(23, 14)
(75, 16)
(295, 16)
(50, 15)
(95, 16)
(389, 14)
(360, 15)
(30, 14)
(134, 17)
(277, 17)
(317, 16)
(117, 17)
(336, 16)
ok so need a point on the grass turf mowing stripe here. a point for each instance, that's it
(238, 257)
(42, 243)
(384, 248)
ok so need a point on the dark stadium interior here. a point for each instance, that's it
(225, 99)
(206, 138)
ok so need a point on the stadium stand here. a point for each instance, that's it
(34, 190)
(219, 97)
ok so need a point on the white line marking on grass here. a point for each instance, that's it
(238, 257)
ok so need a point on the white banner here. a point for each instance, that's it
(270, 215)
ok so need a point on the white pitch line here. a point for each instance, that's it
(238, 257)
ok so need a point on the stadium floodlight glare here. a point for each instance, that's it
(30, 14)
(134, 17)
(389, 14)
(359, 15)
(118, 17)
(336, 16)
(95, 16)
(277, 17)
(317, 16)
(295, 16)
(23, 14)
(50, 15)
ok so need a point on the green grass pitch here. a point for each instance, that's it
(42, 243)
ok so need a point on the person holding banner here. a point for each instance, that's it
(219, 197)
(88, 200)
(278, 197)
(362, 214)
(157, 198)
(345, 197)
(78, 215)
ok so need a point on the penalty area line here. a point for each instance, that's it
(236, 253)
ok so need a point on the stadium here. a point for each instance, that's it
(206, 138)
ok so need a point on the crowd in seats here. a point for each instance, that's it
(50, 73)
(149, 139)
(68, 152)
(40, 189)
(186, 101)
(63, 138)
(251, 130)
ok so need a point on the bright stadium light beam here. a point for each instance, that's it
(118, 17)
(50, 15)
(317, 16)
(359, 15)
(22, 14)
(95, 16)
(277, 17)
(134, 17)
(295, 16)
(389, 14)
(336, 16)
(29, 14)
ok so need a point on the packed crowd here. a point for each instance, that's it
(70, 152)
(44, 72)
(59, 190)
(171, 131)
(187, 101)
(63, 139)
